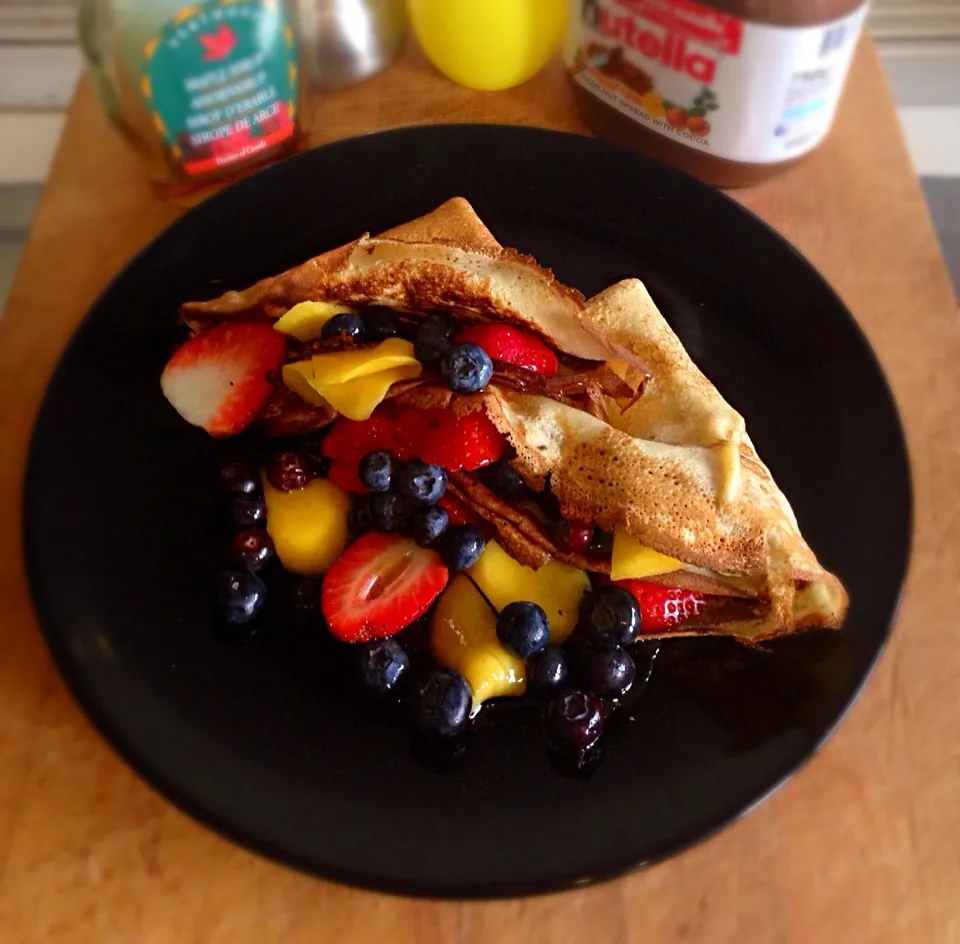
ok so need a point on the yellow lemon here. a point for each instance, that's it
(488, 44)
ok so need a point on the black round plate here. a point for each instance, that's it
(259, 740)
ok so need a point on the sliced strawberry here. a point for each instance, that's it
(663, 608)
(351, 440)
(512, 346)
(463, 442)
(411, 429)
(346, 476)
(380, 584)
(219, 379)
(456, 510)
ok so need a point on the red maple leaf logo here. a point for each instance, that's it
(218, 45)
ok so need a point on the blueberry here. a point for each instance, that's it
(462, 546)
(239, 478)
(383, 664)
(610, 616)
(524, 628)
(605, 671)
(443, 704)
(312, 448)
(547, 672)
(360, 521)
(248, 513)
(428, 525)
(377, 470)
(241, 596)
(421, 482)
(306, 600)
(573, 721)
(289, 471)
(504, 479)
(434, 338)
(252, 548)
(467, 368)
(601, 544)
(381, 323)
(344, 327)
(389, 513)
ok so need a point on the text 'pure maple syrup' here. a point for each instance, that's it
(204, 92)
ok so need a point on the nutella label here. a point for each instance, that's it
(739, 90)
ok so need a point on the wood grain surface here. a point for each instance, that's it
(862, 846)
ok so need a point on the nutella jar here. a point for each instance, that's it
(732, 91)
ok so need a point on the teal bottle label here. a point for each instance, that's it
(220, 80)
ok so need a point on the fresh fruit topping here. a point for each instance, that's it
(523, 627)
(305, 320)
(379, 585)
(344, 327)
(308, 526)
(633, 560)
(248, 513)
(390, 513)
(463, 636)
(306, 601)
(434, 339)
(412, 429)
(360, 521)
(239, 478)
(463, 442)
(467, 368)
(664, 608)
(350, 440)
(381, 323)
(344, 475)
(311, 446)
(443, 705)
(241, 596)
(547, 672)
(252, 548)
(219, 379)
(421, 482)
(457, 511)
(610, 616)
(383, 665)
(377, 470)
(608, 671)
(512, 346)
(503, 479)
(573, 721)
(462, 546)
(428, 525)
(298, 377)
(601, 545)
(289, 471)
(575, 535)
(556, 587)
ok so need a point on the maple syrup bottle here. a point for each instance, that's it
(205, 92)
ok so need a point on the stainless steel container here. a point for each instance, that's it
(346, 41)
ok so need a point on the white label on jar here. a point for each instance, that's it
(739, 90)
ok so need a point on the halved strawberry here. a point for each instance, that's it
(345, 476)
(411, 429)
(512, 346)
(456, 510)
(351, 440)
(380, 584)
(663, 608)
(219, 379)
(463, 442)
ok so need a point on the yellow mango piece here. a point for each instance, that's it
(298, 376)
(463, 637)
(357, 399)
(305, 320)
(341, 366)
(634, 561)
(557, 587)
(308, 525)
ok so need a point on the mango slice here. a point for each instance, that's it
(357, 399)
(308, 525)
(634, 561)
(463, 637)
(557, 587)
(305, 320)
(298, 376)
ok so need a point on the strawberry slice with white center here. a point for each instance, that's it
(380, 584)
(219, 379)
(664, 608)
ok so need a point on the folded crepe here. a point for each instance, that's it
(632, 436)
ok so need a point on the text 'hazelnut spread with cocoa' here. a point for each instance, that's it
(733, 92)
